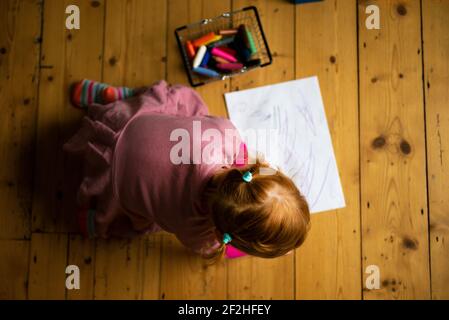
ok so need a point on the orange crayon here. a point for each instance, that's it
(190, 50)
(204, 39)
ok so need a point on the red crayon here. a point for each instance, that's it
(231, 51)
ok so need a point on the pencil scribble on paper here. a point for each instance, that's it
(303, 149)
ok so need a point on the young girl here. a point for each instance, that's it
(134, 183)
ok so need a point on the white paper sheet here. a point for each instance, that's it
(293, 135)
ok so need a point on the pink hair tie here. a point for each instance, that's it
(242, 158)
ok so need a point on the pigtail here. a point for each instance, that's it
(258, 206)
(217, 256)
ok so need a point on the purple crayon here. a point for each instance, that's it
(229, 66)
(220, 53)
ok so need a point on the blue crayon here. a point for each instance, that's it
(207, 72)
(206, 59)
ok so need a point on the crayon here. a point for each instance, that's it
(245, 36)
(207, 72)
(239, 45)
(222, 42)
(230, 66)
(249, 41)
(231, 51)
(202, 40)
(213, 40)
(206, 59)
(252, 45)
(242, 51)
(242, 34)
(199, 56)
(190, 50)
(227, 32)
(220, 60)
(219, 53)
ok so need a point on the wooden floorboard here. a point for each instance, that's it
(19, 74)
(48, 262)
(436, 83)
(385, 93)
(393, 161)
(328, 265)
(14, 269)
(67, 56)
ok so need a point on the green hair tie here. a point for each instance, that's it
(226, 238)
(247, 176)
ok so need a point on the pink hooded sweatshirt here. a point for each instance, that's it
(131, 151)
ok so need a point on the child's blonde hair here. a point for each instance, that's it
(266, 217)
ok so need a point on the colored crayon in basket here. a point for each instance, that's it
(242, 51)
(213, 40)
(199, 56)
(252, 44)
(206, 59)
(227, 32)
(190, 49)
(207, 72)
(239, 45)
(204, 39)
(231, 51)
(220, 60)
(229, 66)
(222, 42)
(219, 53)
(248, 37)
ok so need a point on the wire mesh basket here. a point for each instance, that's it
(249, 18)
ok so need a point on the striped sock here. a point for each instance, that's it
(87, 92)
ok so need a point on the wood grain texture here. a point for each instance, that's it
(118, 269)
(436, 74)
(127, 269)
(151, 266)
(82, 254)
(184, 275)
(67, 56)
(328, 265)
(48, 261)
(244, 275)
(14, 269)
(135, 42)
(393, 162)
(19, 60)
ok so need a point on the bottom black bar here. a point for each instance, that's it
(218, 309)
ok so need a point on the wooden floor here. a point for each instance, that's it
(386, 94)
